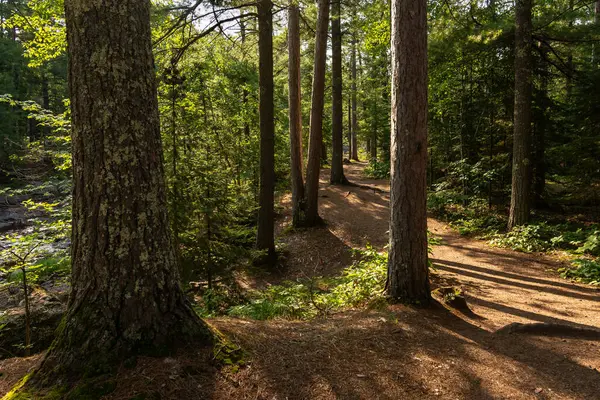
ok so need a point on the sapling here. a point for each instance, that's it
(22, 250)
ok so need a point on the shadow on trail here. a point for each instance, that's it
(406, 353)
(489, 275)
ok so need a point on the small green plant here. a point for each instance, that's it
(591, 244)
(526, 238)
(20, 251)
(585, 271)
(359, 285)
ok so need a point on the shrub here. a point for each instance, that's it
(586, 271)
(377, 169)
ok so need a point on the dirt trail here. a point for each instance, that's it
(400, 352)
(503, 286)
(434, 352)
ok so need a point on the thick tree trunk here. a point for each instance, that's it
(337, 117)
(408, 273)
(125, 296)
(316, 117)
(354, 103)
(265, 239)
(295, 112)
(522, 164)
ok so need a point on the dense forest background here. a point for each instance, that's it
(207, 64)
(257, 177)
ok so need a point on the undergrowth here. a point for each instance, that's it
(377, 169)
(358, 285)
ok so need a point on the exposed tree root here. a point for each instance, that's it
(550, 329)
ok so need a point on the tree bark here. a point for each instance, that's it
(408, 272)
(337, 117)
(354, 103)
(522, 164)
(373, 148)
(349, 127)
(316, 117)
(539, 145)
(295, 112)
(265, 239)
(126, 297)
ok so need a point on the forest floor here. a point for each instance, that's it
(399, 352)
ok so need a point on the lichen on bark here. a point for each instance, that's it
(126, 297)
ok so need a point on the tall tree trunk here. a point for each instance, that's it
(597, 22)
(408, 272)
(354, 103)
(46, 131)
(295, 112)
(316, 117)
(245, 89)
(265, 239)
(522, 164)
(349, 127)
(126, 297)
(539, 147)
(569, 79)
(337, 117)
(373, 149)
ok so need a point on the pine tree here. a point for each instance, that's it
(408, 273)
(126, 297)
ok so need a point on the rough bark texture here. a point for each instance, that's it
(337, 153)
(316, 117)
(408, 273)
(125, 297)
(295, 112)
(522, 164)
(265, 239)
(354, 104)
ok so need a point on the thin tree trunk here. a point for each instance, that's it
(522, 162)
(373, 149)
(316, 117)
(46, 131)
(539, 177)
(349, 128)
(126, 297)
(27, 313)
(265, 239)
(337, 117)
(597, 22)
(295, 112)
(354, 103)
(245, 89)
(408, 272)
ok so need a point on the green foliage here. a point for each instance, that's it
(56, 146)
(591, 244)
(470, 216)
(358, 285)
(43, 21)
(586, 271)
(526, 238)
(377, 169)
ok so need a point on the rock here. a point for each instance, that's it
(452, 296)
